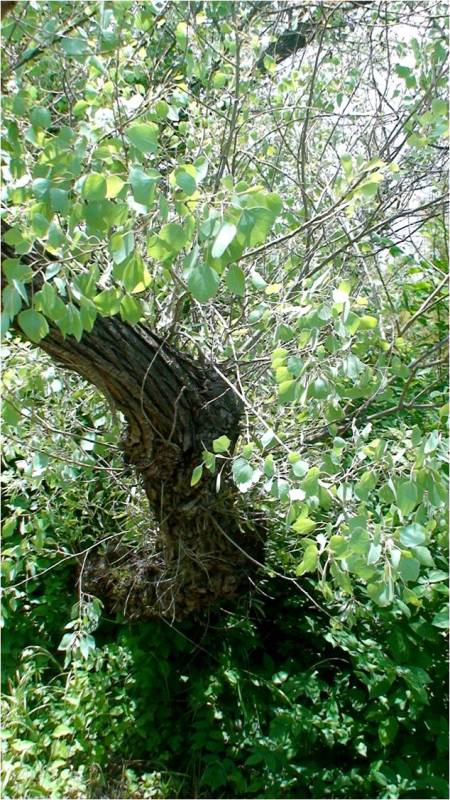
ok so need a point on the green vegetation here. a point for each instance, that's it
(225, 480)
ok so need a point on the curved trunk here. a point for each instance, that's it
(200, 548)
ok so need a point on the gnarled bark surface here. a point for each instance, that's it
(174, 408)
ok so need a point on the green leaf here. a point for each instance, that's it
(412, 535)
(367, 323)
(181, 35)
(108, 302)
(319, 389)
(101, 215)
(300, 468)
(121, 246)
(368, 189)
(143, 185)
(441, 619)
(70, 323)
(86, 283)
(39, 223)
(62, 730)
(235, 280)
(86, 644)
(269, 466)
(23, 746)
(284, 333)
(304, 525)
(439, 107)
(242, 471)
(159, 250)
(19, 105)
(283, 374)
(402, 71)
(13, 236)
(225, 236)
(203, 283)
(161, 109)
(310, 484)
(94, 187)
(258, 281)
(209, 460)
(185, 178)
(424, 556)
(109, 41)
(255, 224)
(14, 270)
(48, 301)
(132, 274)
(387, 730)
(374, 553)
(381, 593)
(222, 444)
(79, 108)
(67, 641)
(40, 117)
(59, 201)
(286, 391)
(409, 568)
(10, 415)
(114, 185)
(365, 485)
(196, 474)
(431, 442)
(88, 313)
(174, 235)
(309, 561)
(74, 46)
(133, 268)
(41, 188)
(220, 79)
(144, 136)
(131, 309)
(406, 496)
(352, 367)
(33, 324)
(12, 301)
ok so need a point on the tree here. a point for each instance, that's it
(224, 240)
(146, 249)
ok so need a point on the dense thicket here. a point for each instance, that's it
(224, 261)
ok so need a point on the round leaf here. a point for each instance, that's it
(203, 283)
(94, 187)
(144, 136)
(235, 280)
(221, 445)
(242, 471)
(33, 324)
(412, 535)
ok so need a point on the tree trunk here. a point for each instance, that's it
(175, 407)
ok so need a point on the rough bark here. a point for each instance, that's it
(175, 407)
(6, 6)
